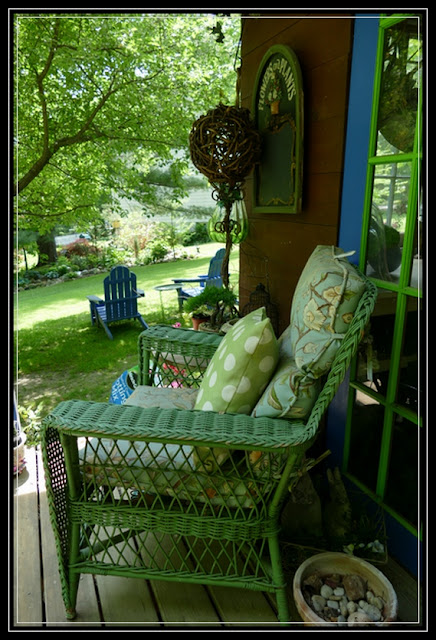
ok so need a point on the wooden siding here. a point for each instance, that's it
(279, 245)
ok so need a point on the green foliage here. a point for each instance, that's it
(158, 251)
(196, 235)
(102, 100)
(220, 302)
(30, 421)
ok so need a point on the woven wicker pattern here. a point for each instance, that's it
(201, 428)
(170, 356)
(117, 509)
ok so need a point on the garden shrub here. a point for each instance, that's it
(80, 247)
(196, 234)
(158, 251)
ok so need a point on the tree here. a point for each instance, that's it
(102, 99)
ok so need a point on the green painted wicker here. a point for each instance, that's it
(219, 528)
(170, 355)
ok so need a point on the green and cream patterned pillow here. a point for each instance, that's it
(290, 394)
(241, 367)
(324, 302)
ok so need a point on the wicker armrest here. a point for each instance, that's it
(190, 350)
(175, 426)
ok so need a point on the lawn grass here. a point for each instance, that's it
(60, 355)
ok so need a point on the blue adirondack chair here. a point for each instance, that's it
(213, 278)
(120, 300)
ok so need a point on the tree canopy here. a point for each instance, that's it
(101, 100)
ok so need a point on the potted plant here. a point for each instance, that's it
(200, 315)
(214, 305)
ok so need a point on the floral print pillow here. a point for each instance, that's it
(290, 394)
(324, 302)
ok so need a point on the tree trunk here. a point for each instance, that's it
(46, 249)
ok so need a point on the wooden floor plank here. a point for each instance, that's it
(236, 606)
(184, 604)
(128, 601)
(243, 607)
(27, 585)
(87, 606)
(181, 603)
(407, 590)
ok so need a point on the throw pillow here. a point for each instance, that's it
(241, 367)
(324, 302)
(290, 394)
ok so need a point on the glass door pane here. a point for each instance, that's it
(416, 269)
(401, 76)
(408, 390)
(374, 355)
(366, 438)
(402, 484)
(388, 220)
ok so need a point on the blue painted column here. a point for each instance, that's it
(353, 188)
(358, 127)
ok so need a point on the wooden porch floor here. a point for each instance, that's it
(110, 602)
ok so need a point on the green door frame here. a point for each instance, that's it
(357, 196)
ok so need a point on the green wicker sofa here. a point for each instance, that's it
(186, 480)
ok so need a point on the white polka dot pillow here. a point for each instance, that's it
(241, 367)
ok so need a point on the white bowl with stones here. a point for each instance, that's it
(342, 590)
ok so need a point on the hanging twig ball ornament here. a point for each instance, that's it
(225, 145)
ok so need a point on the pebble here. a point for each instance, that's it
(330, 598)
(343, 607)
(351, 606)
(357, 618)
(374, 600)
(326, 591)
(318, 603)
(370, 610)
(313, 581)
(378, 602)
(354, 586)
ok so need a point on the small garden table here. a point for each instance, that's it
(166, 287)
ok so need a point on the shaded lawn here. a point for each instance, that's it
(69, 358)
(60, 355)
